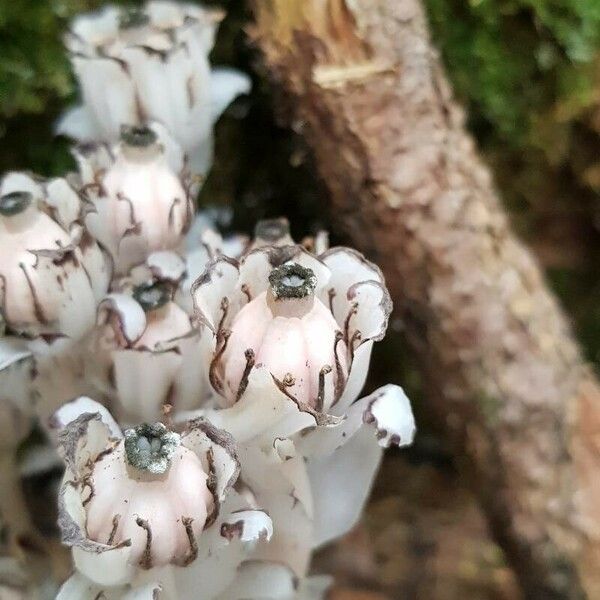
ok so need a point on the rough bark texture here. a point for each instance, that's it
(363, 84)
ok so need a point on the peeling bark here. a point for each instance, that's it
(362, 83)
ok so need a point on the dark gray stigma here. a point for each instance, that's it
(14, 203)
(292, 280)
(152, 296)
(272, 230)
(138, 136)
(150, 447)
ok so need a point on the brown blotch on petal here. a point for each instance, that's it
(146, 560)
(246, 291)
(113, 531)
(213, 375)
(250, 362)
(353, 310)
(192, 552)
(321, 393)
(231, 531)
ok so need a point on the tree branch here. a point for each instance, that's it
(521, 409)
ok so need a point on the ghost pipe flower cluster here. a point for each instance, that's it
(290, 336)
(151, 506)
(150, 63)
(203, 393)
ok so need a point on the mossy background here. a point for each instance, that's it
(528, 74)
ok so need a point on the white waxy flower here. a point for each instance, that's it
(310, 322)
(151, 505)
(152, 491)
(141, 204)
(79, 587)
(150, 63)
(293, 334)
(291, 391)
(145, 351)
(52, 274)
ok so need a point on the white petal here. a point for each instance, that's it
(149, 591)
(109, 93)
(349, 266)
(72, 410)
(166, 265)
(105, 568)
(263, 413)
(97, 264)
(78, 123)
(214, 287)
(78, 587)
(63, 201)
(262, 581)
(356, 379)
(152, 84)
(247, 526)
(343, 459)
(280, 489)
(192, 386)
(102, 564)
(226, 85)
(143, 383)
(374, 307)
(80, 441)
(387, 410)
(204, 438)
(130, 315)
(93, 28)
(174, 154)
(341, 483)
(218, 560)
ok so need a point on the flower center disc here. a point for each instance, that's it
(150, 447)
(138, 136)
(14, 203)
(152, 296)
(133, 17)
(292, 281)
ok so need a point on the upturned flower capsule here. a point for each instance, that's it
(293, 334)
(52, 274)
(153, 499)
(150, 490)
(145, 348)
(141, 205)
(309, 321)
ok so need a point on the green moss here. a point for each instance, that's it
(513, 61)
